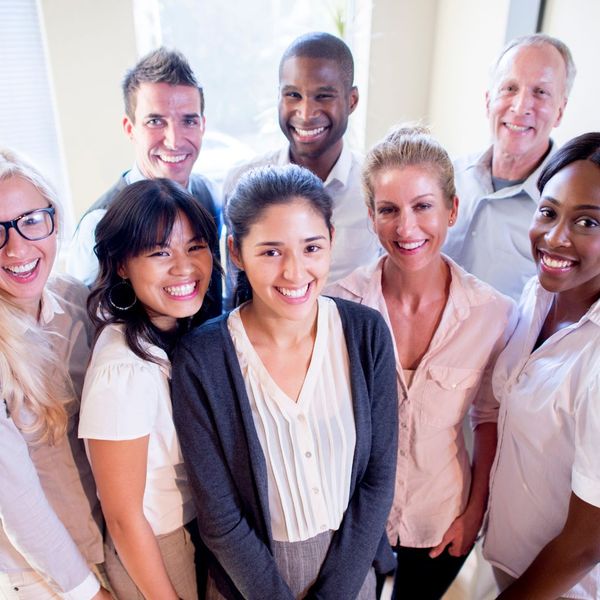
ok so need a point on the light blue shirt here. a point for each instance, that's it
(491, 236)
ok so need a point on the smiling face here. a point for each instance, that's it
(314, 105)
(565, 232)
(25, 265)
(526, 101)
(170, 281)
(167, 130)
(411, 216)
(286, 256)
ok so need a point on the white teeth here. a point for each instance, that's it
(181, 290)
(172, 159)
(519, 128)
(297, 293)
(23, 269)
(554, 263)
(309, 132)
(410, 245)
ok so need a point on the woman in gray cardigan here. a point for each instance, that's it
(286, 410)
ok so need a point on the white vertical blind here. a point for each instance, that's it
(27, 117)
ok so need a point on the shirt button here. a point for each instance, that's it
(301, 418)
(453, 386)
(307, 454)
(402, 453)
(403, 425)
(473, 233)
(315, 491)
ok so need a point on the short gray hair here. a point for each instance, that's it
(540, 39)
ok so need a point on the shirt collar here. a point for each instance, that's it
(365, 282)
(340, 171)
(544, 299)
(50, 307)
(135, 175)
(483, 164)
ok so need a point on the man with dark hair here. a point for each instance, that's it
(530, 84)
(316, 96)
(164, 119)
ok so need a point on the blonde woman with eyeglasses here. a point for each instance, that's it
(49, 536)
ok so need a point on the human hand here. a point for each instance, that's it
(460, 536)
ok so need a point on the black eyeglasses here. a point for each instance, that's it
(33, 225)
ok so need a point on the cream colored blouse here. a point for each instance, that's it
(309, 443)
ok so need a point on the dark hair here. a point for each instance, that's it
(323, 46)
(582, 147)
(258, 190)
(142, 217)
(159, 66)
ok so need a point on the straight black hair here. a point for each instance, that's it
(582, 147)
(269, 186)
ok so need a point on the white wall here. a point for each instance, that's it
(402, 47)
(576, 23)
(90, 45)
(468, 37)
(431, 60)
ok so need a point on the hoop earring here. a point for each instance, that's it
(124, 294)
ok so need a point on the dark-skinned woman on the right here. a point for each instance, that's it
(543, 537)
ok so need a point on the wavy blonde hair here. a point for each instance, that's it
(35, 396)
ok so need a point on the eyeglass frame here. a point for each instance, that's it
(13, 223)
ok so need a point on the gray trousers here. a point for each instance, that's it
(299, 564)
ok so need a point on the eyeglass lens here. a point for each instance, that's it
(37, 225)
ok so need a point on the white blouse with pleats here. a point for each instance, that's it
(308, 444)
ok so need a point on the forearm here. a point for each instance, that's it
(29, 522)
(140, 554)
(565, 559)
(556, 569)
(485, 439)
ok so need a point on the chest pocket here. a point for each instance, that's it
(447, 395)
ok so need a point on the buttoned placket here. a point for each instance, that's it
(311, 470)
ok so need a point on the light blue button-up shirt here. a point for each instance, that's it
(490, 238)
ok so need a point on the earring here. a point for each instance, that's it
(121, 296)
(451, 222)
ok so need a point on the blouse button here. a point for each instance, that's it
(307, 454)
(315, 490)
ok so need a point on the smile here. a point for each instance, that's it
(293, 292)
(556, 263)
(185, 289)
(307, 134)
(23, 271)
(172, 159)
(411, 245)
(517, 128)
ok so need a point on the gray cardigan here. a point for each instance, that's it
(228, 474)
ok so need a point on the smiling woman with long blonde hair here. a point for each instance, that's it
(45, 341)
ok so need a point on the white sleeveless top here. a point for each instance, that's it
(308, 444)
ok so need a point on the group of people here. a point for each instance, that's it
(309, 441)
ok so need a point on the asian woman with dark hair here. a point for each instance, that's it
(155, 248)
(288, 422)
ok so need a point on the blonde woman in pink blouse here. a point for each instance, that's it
(448, 328)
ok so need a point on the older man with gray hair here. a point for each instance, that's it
(530, 84)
